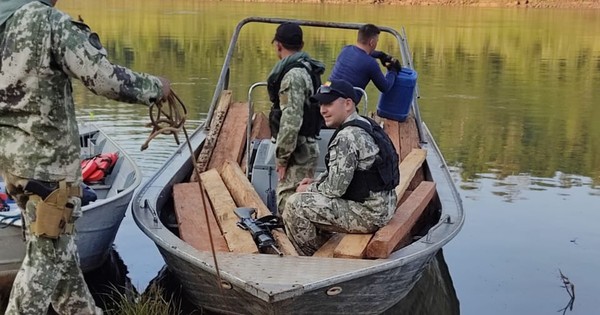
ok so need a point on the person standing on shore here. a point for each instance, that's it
(41, 49)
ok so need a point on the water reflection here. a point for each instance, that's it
(433, 294)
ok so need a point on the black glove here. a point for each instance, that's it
(379, 55)
(393, 65)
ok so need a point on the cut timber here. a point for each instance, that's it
(260, 130)
(386, 239)
(408, 168)
(356, 244)
(409, 137)
(260, 127)
(213, 133)
(391, 128)
(232, 138)
(328, 248)
(193, 228)
(244, 195)
(352, 246)
(238, 240)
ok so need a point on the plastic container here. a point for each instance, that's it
(395, 103)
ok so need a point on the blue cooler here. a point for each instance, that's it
(395, 103)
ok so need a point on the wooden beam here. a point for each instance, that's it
(213, 133)
(239, 241)
(408, 168)
(329, 247)
(409, 136)
(407, 214)
(191, 219)
(232, 138)
(244, 195)
(352, 246)
(391, 128)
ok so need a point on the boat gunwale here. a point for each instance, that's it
(134, 167)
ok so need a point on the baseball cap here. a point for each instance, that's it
(334, 89)
(289, 33)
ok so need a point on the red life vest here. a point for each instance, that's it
(94, 169)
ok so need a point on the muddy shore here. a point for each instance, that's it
(564, 4)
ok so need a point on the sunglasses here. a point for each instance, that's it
(326, 89)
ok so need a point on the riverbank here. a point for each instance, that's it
(563, 4)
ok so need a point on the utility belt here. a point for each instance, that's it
(54, 207)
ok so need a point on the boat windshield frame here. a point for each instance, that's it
(223, 83)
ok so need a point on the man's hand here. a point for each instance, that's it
(393, 64)
(304, 184)
(281, 172)
(166, 88)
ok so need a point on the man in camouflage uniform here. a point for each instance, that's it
(296, 154)
(41, 48)
(327, 204)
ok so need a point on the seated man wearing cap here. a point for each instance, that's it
(356, 192)
(294, 121)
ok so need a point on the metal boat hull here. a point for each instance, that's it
(97, 228)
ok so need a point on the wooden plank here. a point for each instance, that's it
(213, 133)
(352, 246)
(260, 127)
(409, 136)
(328, 248)
(407, 214)
(356, 244)
(260, 130)
(193, 228)
(232, 138)
(239, 241)
(392, 129)
(244, 195)
(408, 168)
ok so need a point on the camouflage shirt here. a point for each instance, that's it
(296, 88)
(41, 48)
(353, 149)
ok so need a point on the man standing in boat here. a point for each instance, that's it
(356, 192)
(356, 63)
(294, 121)
(41, 49)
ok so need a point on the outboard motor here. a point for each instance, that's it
(395, 104)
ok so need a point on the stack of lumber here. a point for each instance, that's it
(210, 214)
(411, 202)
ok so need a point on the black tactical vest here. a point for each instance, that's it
(312, 121)
(383, 174)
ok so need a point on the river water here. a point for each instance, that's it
(509, 94)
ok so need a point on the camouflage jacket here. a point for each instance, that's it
(296, 88)
(353, 149)
(41, 48)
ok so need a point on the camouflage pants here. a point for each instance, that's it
(302, 165)
(310, 217)
(50, 272)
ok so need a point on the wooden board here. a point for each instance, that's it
(191, 218)
(260, 130)
(232, 138)
(392, 129)
(354, 245)
(386, 239)
(213, 133)
(408, 168)
(409, 136)
(329, 247)
(238, 240)
(244, 195)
